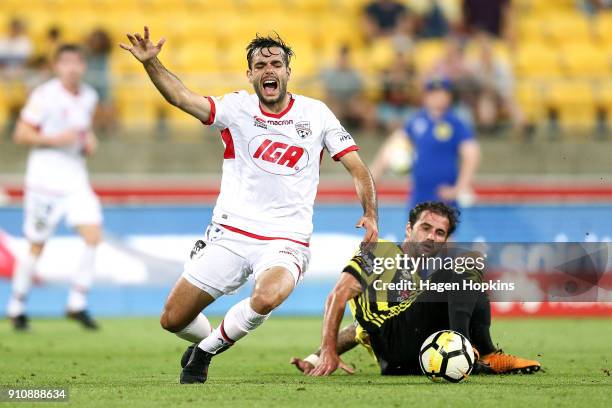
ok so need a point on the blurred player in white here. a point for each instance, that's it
(56, 122)
(262, 222)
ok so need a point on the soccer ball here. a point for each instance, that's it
(446, 355)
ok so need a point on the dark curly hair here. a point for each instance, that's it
(439, 208)
(267, 42)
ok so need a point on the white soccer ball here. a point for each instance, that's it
(446, 355)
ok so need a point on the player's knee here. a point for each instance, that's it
(93, 238)
(169, 323)
(265, 303)
(37, 248)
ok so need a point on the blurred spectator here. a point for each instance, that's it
(446, 153)
(385, 18)
(592, 7)
(495, 84)
(54, 40)
(431, 21)
(15, 48)
(344, 90)
(98, 47)
(399, 93)
(453, 65)
(491, 16)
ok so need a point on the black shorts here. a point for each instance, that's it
(398, 342)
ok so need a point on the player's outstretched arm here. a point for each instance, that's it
(172, 89)
(27, 134)
(366, 191)
(346, 288)
(346, 342)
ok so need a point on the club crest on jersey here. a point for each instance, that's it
(276, 154)
(259, 122)
(303, 129)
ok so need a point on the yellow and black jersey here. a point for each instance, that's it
(377, 303)
(390, 287)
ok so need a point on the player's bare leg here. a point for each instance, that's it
(182, 315)
(346, 342)
(271, 289)
(76, 307)
(22, 281)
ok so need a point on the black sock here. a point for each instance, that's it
(480, 326)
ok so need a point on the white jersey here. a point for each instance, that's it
(53, 109)
(271, 163)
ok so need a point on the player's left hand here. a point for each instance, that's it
(448, 193)
(329, 363)
(371, 226)
(90, 144)
(303, 366)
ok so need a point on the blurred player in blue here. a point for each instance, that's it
(441, 146)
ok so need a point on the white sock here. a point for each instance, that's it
(237, 323)
(81, 281)
(22, 281)
(197, 330)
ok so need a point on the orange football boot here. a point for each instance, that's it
(503, 363)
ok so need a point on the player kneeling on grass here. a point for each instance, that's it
(392, 324)
(262, 221)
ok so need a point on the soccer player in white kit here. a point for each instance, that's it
(56, 122)
(262, 222)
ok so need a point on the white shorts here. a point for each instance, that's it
(43, 212)
(227, 259)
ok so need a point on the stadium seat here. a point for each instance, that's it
(529, 29)
(574, 103)
(137, 106)
(537, 60)
(529, 95)
(586, 60)
(426, 53)
(603, 26)
(568, 27)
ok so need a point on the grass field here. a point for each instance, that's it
(132, 362)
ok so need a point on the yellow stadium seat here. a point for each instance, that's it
(574, 103)
(586, 60)
(568, 27)
(529, 29)
(604, 98)
(382, 54)
(197, 58)
(537, 60)
(137, 106)
(603, 26)
(530, 98)
(426, 53)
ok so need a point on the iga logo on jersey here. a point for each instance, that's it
(277, 154)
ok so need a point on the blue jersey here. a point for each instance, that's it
(436, 149)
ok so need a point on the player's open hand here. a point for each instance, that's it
(142, 47)
(371, 230)
(303, 366)
(329, 363)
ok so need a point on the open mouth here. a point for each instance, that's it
(270, 86)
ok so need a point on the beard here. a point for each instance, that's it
(282, 92)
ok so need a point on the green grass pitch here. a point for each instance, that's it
(132, 362)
